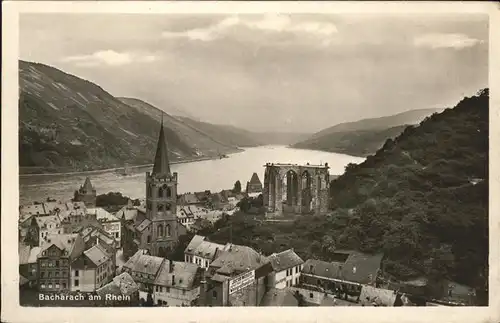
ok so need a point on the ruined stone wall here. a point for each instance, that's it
(275, 189)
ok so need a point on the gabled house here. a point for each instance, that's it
(144, 269)
(177, 284)
(287, 266)
(342, 278)
(237, 277)
(121, 291)
(28, 267)
(92, 269)
(201, 252)
(54, 261)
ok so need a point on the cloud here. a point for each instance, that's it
(110, 58)
(269, 23)
(437, 40)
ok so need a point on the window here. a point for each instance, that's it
(160, 230)
(63, 285)
(57, 263)
(167, 230)
(42, 285)
(57, 285)
(149, 239)
(157, 289)
(50, 285)
(77, 283)
(76, 273)
(42, 274)
(116, 235)
(310, 295)
(214, 294)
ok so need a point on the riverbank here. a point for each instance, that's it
(114, 169)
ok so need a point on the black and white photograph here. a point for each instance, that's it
(251, 159)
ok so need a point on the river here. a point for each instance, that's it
(213, 175)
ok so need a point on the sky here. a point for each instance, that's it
(269, 72)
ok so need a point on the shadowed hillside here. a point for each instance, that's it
(363, 137)
(70, 124)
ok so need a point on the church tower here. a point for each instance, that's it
(161, 202)
(86, 194)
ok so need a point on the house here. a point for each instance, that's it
(341, 278)
(86, 194)
(121, 291)
(93, 235)
(254, 185)
(92, 269)
(189, 199)
(219, 202)
(237, 277)
(185, 216)
(201, 252)
(26, 211)
(45, 226)
(280, 297)
(28, 267)
(54, 261)
(204, 197)
(177, 284)
(110, 223)
(287, 266)
(144, 269)
(200, 224)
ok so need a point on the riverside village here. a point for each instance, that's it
(156, 251)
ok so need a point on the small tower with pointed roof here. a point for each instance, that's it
(161, 202)
(86, 194)
(254, 185)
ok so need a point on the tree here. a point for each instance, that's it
(237, 187)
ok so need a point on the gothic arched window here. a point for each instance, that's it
(168, 207)
(167, 230)
(169, 192)
(160, 230)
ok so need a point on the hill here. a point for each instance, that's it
(422, 200)
(420, 195)
(200, 135)
(363, 137)
(69, 124)
(356, 143)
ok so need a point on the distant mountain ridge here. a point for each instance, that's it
(70, 124)
(363, 137)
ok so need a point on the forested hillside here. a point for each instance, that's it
(356, 143)
(422, 200)
(363, 137)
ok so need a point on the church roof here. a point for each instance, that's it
(87, 185)
(161, 163)
(255, 179)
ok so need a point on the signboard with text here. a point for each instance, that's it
(241, 281)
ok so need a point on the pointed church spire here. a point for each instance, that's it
(87, 186)
(161, 163)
